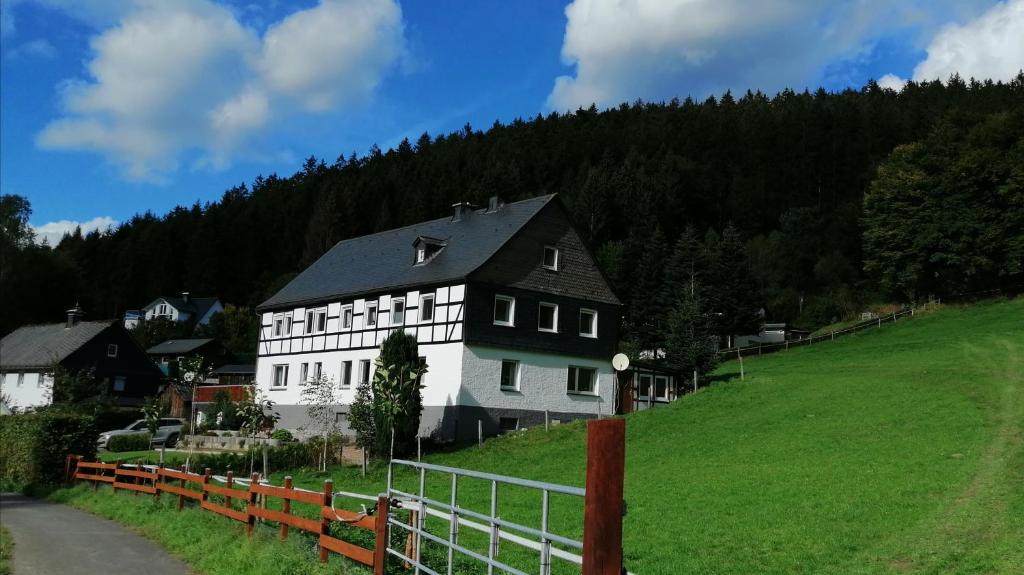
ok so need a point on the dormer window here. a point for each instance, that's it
(425, 249)
(551, 258)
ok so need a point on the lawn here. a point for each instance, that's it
(897, 450)
(6, 551)
(171, 458)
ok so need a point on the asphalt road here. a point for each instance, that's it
(52, 539)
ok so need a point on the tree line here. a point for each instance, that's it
(803, 204)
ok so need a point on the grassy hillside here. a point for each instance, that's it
(899, 450)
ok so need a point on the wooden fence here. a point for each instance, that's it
(157, 480)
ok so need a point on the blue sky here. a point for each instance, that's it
(114, 107)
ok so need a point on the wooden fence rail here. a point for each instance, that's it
(157, 480)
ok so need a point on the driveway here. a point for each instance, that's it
(51, 538)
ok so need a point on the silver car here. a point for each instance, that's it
(167, 434)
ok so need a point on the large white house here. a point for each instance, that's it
(182, 308)
(512, 316)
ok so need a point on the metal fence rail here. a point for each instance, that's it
(539, 540)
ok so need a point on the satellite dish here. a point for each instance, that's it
(620, 362)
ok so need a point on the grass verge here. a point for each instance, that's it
(6, 551)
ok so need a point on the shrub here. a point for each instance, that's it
(129, 442)
(34, 447)
(282, 435)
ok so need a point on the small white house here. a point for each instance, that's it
(513, 318)
(179, 309)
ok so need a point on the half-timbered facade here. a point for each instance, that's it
(512, 316)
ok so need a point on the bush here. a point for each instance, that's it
(34, 446)
(282, 435)
(130, 442)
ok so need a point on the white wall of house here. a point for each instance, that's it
(27, 389)
(168, 310)
(541, 384)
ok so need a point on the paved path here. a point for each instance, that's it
(50, 539)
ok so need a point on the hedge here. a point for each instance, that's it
(129, 442)
(34, 446)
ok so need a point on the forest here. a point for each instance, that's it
(808, 205)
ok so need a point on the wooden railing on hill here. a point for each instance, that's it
(154, 480)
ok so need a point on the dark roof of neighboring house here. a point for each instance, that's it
(34, 346)
(173, 346)
(384, 261)
(236, 369)
(195, 305)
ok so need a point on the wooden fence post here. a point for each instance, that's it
(286, 506)
(229, 483)
(156, 488)
(325, 524)
(206, 479)
(250, 519)
(380, 527)
(603, 504)
(181, 498)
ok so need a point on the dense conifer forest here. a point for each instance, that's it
(737, 203)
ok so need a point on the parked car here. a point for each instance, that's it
(167, 434)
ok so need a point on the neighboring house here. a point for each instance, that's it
(772, 333)
(167, 354)
(29, 353)
(236, 374)
(512, 315)
(235, 379)
(185, 308)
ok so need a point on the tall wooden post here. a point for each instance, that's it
(250, 519)
(229, 484)
(603, 505)
(325, 524)
(206, 479)
(286, 506)
(380, 554)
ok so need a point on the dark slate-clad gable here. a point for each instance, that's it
(41, 346)
(384, 261)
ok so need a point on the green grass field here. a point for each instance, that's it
(6, 551)
(897, 450)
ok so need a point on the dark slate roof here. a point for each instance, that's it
(172, 346)
(236, 369)
(195, 305)
(34, 346)
(384, 261)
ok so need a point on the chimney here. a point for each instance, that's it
(75, 315)
(184, 296)
(461, 210)
(494, 204)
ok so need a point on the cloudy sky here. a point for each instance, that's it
(114, 107)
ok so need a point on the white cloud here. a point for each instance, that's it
(658, 49)
(52, 232)
(892, 82)
(989, 47)
(38, 48)
(177, 77)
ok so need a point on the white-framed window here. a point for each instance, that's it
(346, 317)
(303, 373)
(287, 324)
(547, 317)
(370, 315)
(280, 376)
(346, 374)
(119, 383)
(421, 254)
(21, 379)
(504, 310)
(588, 322)
(320, 319)
(551, 258)
(509, 375)
(309, 321)
(644, 386)
(162, 309)
(112, 350)
(364, 371)
(661, 387)
(426, 308)
(398, 311)
(318, 370)
(278, 325)
(581, 380)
